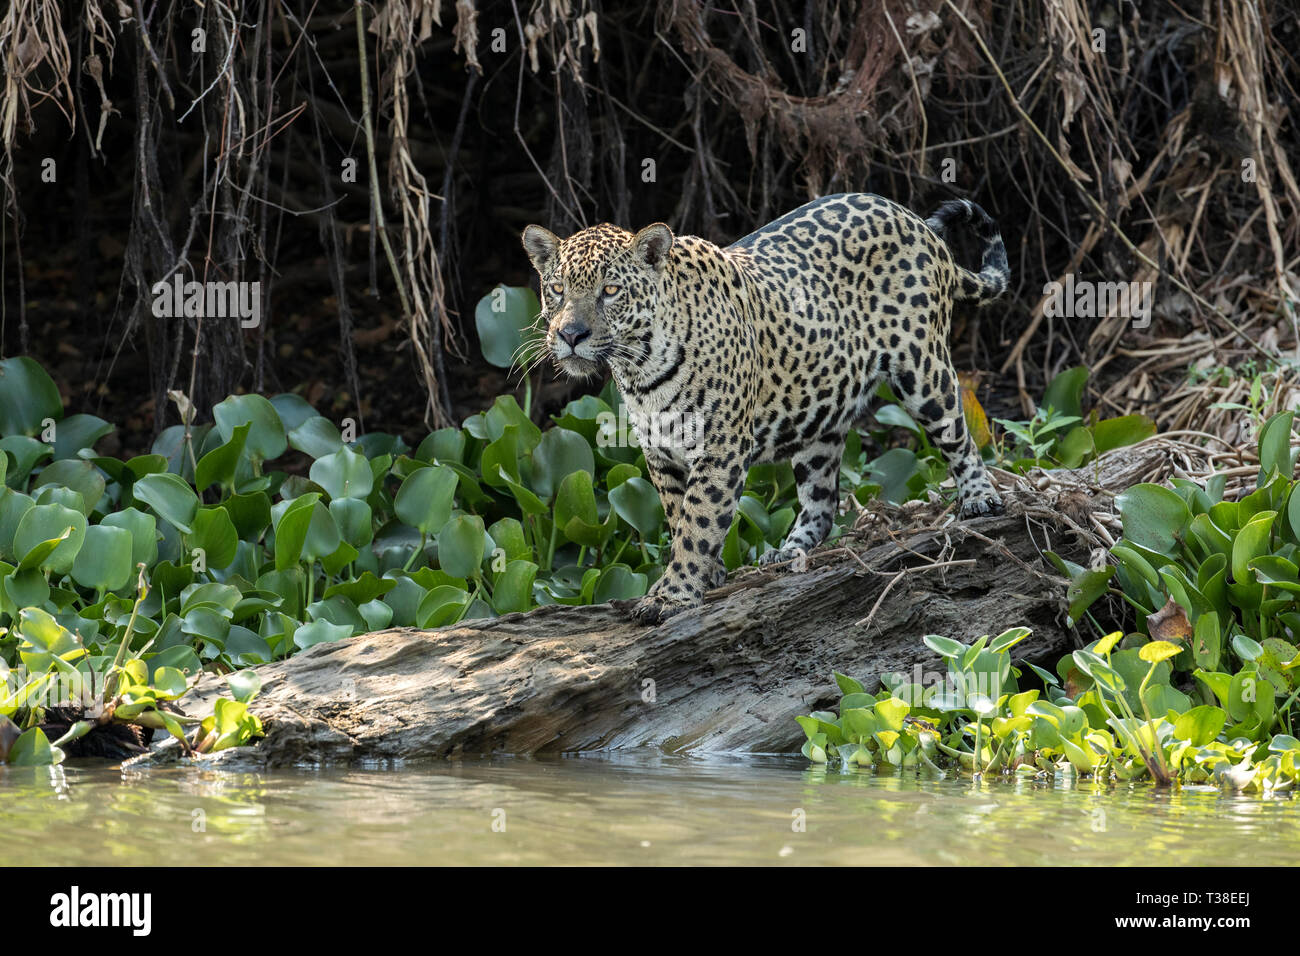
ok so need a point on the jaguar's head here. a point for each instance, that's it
(600, 292)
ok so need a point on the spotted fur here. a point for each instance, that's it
(773, 347)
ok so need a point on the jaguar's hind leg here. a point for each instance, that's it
(932, 396)
(817, 474)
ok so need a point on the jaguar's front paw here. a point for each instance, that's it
(657, 608)
(792, 559)
(982, 507)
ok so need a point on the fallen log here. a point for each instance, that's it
(727, 677)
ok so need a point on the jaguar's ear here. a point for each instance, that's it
(541, 246)
(650, 246)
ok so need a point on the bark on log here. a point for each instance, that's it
(728, 677)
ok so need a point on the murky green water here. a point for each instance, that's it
(642, 809)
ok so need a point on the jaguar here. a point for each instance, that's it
(773, 348)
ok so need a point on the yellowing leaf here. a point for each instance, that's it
(1158, 651)
(1107, 643)
(976, 421)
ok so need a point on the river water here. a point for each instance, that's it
(626, 809)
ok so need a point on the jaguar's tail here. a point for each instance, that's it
(995, 274)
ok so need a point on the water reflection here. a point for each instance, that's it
(631, 808)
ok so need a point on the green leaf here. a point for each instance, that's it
(377, 615)
(1153, 516)
(181, 657)
(13, 506)
(513, 589)
(362, 589)
(250, 513)
(1200, 725)
(1293, 511)
(291, 530)
(619, 474)
(636, 502)
(58, 495)
(618, 583)
(320, 632)
(1113, 433)
(244, 685)
(559, 453)
(891, 712)
(501, 455)
(848, 685)
(576, 498)
(1277, 571)
(893, 416)
(1246, 648)
(316, 436)
(266, 437)
(323, 538)
(425, 499)
(1075, 447)
(504, 318)
(508, 534)
(344, 474)
(1251, 542)
(28, 396)
(143, 529)
(461, 546)
(1217, 681)
(1096, 667)
(505, 412)
(1064, 393)
(168, 683)
(43, 524)
(944, 646)
(170, 497)
(1008, 639)
(215, 533)
(76, 475)
(104, 561)
(894, 471)
(441, 606)
(219, 465)
(1207, 642)
(293, 410)
(1275, 454)
(443, 445)
(528, 502)
(1249, 695)
(354, 520)
(26, 453)
(32, 748)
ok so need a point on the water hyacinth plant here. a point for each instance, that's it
(1205, 690)
(1123, 720)
(271, 529)
(1218, 579)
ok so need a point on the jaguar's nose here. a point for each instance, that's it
(575, 332)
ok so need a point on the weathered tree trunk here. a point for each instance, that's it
(730, 676)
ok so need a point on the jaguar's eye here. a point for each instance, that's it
(557, 288)
(611, 290)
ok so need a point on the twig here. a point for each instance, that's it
(899, 576)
